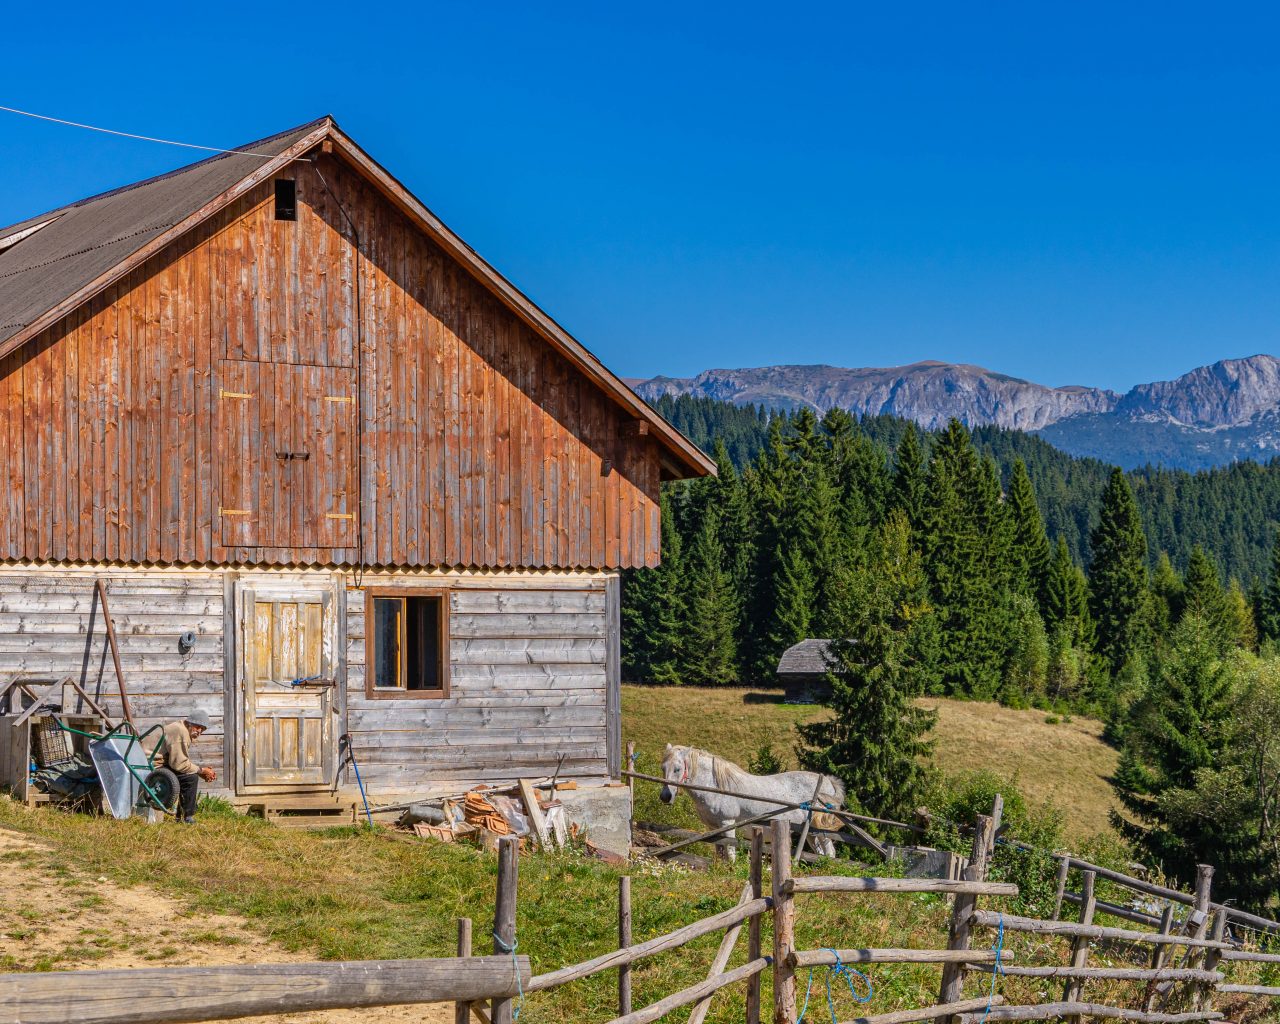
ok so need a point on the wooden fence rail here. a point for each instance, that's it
(163, 995)
(171, 995)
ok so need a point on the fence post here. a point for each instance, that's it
(461, 1010)
(953, 973)
(1064, 866)
(1203, 998)
(504, 916)
(1159, 956)
(631, 766)
(1080, 947)
(624, 940)
(808, 820)
(1196, 925)
(753, 926)
(784, 925)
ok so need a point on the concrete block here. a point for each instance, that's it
(603, 813)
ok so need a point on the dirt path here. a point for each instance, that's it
(53, 917)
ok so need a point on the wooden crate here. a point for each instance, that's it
(17, 745)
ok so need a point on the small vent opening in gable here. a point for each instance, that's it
(286, 199)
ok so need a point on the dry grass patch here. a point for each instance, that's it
(1066, 763)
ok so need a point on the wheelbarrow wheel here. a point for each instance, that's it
(164, 784)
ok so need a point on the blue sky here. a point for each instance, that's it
(1071, 193)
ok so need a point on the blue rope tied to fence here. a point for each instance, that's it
(515, 964)
(997, 971)
(840, 970)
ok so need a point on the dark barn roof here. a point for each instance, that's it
(52, 263)
(808, 657)
(85, 239)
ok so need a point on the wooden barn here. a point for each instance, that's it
(340, 477)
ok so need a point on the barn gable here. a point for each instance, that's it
(353, 386)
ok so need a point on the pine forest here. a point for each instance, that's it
(986, 566)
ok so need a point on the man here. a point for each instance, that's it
(176, 747)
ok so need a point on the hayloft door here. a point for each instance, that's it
(287, 455)
(287, 686)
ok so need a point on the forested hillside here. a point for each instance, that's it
(931, 568)
(1231, 511)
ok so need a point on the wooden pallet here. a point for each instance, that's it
(302, 810)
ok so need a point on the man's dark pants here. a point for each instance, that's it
(189, 788)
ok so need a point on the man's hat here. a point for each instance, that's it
(199, 718)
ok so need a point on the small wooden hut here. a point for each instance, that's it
(802, 671)
(340, 477)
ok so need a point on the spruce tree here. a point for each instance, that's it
(1026, 671)
(968, 543)
(1167, 598)
(1118, 576)
(768, 486)
(1240, 617)
(1067, 598)
(1177, 729)
(875, 739)
(664, 636)
(1270, 605)
(1204, 596)
(794, 592)
(907, 491)
(1030, 543)
(709, 640)
(812, 529)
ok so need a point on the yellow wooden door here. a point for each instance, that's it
(288, 686)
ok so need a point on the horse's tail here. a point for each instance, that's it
(832, 791)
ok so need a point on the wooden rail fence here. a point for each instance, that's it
(1179, 975)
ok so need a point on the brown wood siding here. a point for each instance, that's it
(480, 446)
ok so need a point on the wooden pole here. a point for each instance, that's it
(115, 651)
(1198, 923)
(1080, 946)
(721, 960)
(753, 926)
(1159, 956)
(462, 1009)
(808, 821)
(624, 940)
(1202, 997)
(953, 973)
(1064, 866)
(784, 926)
(504, 915)
(997, 813)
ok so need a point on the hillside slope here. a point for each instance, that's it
(1066, 763)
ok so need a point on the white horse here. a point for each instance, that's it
(702, 768)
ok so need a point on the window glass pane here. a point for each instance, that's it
(424, 642)
(388, 622)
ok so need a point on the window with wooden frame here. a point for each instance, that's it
(407, 642)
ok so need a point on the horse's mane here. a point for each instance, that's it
(723, 771)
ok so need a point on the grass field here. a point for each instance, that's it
(1066, 763)
(356, 893)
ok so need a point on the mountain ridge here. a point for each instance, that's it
(1211, 415)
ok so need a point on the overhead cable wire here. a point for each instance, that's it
(144, 138)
